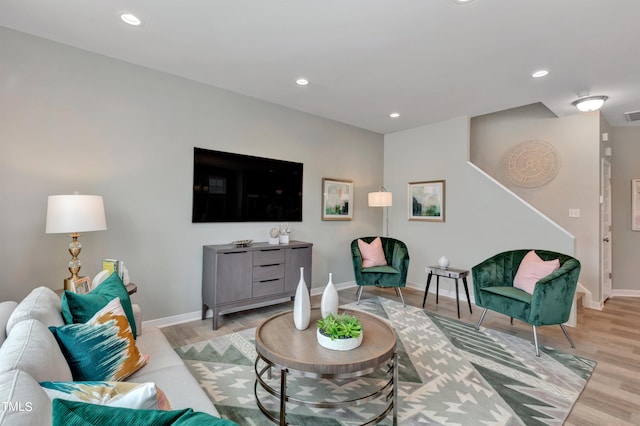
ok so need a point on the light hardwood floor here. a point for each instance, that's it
(610, 337)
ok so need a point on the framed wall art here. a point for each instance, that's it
(635, 204)
(426, 200)
(337, 199)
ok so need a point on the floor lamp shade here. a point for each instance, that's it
(380, 199)
(75, 213)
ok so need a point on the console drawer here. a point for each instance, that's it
(268, 256)
(268, 272)
(265, 288)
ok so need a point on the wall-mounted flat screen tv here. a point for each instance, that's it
(230, 187)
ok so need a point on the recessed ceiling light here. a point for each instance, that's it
(131, 19)
(302, 82)
(462, 1)
(540, 73)
(394, 115)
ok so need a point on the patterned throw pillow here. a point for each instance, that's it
(146, 396)
(103, 349)
(79, 308)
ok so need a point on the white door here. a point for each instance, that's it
(605, 230)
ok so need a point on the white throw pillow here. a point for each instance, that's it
(22, 401)
(32, 348)
(42, 304)
(144, 396)
(6, 308)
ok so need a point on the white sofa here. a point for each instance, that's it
(29, 354)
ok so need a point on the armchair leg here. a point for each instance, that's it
(511, 320)
(360, 293)
(399, 292)
(481, 318)
(535, 340)
(564, 330)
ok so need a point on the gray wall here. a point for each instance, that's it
(75, 121)
(625, 142)
(576, 185)
(482, 217)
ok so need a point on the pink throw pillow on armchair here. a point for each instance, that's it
(532, 269)
(372, 254)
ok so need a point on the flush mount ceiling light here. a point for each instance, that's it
(462, 1)
(540, 73)
(589, 103)
(131, 19)
(302, 82)
(394, 115)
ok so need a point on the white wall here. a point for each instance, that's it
(72, 120)
(482, 217)
(577, 183)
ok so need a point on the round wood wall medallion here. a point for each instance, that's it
(532, 163)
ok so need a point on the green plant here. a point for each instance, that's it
(341, 326)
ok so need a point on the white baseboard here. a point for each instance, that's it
(625, 293)
(175, 319)
(197, 315)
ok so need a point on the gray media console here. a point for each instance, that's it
(241, 278)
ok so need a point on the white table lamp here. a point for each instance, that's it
(74, 214)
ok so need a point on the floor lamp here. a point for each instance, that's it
(71, 214)
(384, 199)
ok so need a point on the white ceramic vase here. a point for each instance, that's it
(329, 301)
(301, 304)
(443, 262)
(274, 240)
(284, 239)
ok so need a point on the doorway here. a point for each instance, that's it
(605, 231)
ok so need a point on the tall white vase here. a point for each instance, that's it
(329, 302)
(301, 304)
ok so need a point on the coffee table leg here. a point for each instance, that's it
(395, 389)
(283, 396)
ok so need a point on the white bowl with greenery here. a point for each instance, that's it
(341, 332)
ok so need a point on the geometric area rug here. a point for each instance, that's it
(449, 374)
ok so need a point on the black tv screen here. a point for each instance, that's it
(231, 187)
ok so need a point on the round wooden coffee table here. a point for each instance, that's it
(296, 352)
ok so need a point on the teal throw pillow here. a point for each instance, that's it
(79, 308)
(72, 413)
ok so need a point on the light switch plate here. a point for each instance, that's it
(574, 212)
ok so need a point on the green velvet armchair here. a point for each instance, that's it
(552, 296)
(394, 274)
